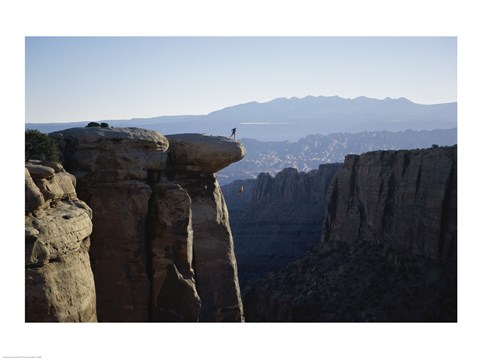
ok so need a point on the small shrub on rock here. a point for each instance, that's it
(93, 124)
(40, 146)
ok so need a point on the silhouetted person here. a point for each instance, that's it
(234, 131)
(240, 190)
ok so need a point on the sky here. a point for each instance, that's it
(71, 79)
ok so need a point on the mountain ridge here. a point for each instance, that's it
(292, 118)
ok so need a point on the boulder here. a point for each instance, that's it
(33, 196)
(39, 171)
(198, 152)
(108, 154)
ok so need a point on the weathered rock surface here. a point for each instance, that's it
(147, 228)
(406, 199)
(59, 280)
(388, 251)
(207, 154)
(111, 167)
(174, 293)
(112, 154)
(275, 220)
(215, 263)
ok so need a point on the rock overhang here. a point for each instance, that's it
(203, 153)
(148, 149)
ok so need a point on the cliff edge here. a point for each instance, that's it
(161, 249)
(406, 199)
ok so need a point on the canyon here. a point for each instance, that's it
(388, 250)
(308, 152)
(275, 220)
(152, 239)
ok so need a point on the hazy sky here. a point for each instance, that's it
(101, 78)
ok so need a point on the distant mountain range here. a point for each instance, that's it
(294, 118)
(309, 152)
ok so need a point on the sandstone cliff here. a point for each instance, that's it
(59, 284)
(406, 199)
(162, 249)
(388, 251)
(193, 161)
(275, 220)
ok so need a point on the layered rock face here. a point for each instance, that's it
(406, 199)
(59, 284)
(146, 226)
(275, 220)
(388, 251)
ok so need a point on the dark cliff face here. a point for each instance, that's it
(275, 220)
(388, 251)
(406, 199)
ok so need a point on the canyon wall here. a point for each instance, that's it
(161, 248)
(389, 247)
(59, 284)
(275, 220)
(406, 199)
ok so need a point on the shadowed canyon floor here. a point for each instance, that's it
(275, 220)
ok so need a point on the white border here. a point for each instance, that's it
(238, 341)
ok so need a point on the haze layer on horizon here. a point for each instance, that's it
(70, 79)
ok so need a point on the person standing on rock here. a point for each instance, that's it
(234, 131)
